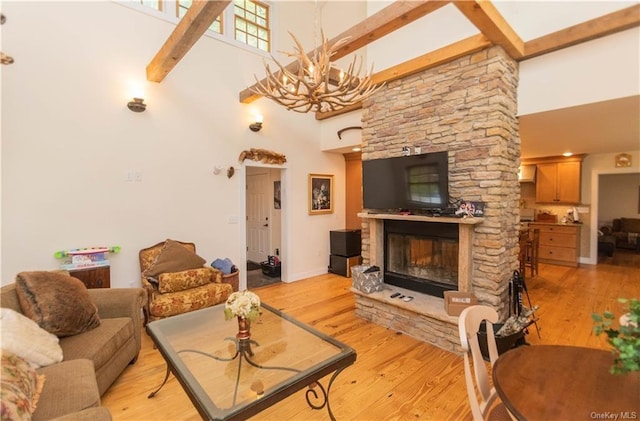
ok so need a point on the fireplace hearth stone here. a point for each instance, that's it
(423, 318)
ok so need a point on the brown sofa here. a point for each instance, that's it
(92, 359)
(626, 232)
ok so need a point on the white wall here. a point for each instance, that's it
(598, 70)
(68, 142)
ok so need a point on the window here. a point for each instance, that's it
(154, 4)
(247, 22)
(252, 23)
(181, 9)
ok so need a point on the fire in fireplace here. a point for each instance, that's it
(421, 256)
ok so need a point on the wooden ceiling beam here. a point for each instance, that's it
(595, 28)
(187, 32)
(485, 17)
(426, 61)
(387, 20)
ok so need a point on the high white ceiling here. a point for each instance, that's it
(603, 127)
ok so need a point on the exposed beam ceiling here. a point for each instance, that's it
(490, 22)
(191, 27)
(586, 31)
(492, 26)
(583, 32)
(387, 20)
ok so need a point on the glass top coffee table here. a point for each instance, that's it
(228, 378)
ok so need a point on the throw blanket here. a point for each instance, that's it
(633, 238)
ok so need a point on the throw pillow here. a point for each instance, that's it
(23, 337)
(20, 387)
(174, 258)
(59, 303)
(179, 281)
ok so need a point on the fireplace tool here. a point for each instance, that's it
(521, 317)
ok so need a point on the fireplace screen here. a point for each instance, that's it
(424, 258)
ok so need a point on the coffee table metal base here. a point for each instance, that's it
(244, 352)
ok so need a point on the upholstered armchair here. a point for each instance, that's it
(176, 280)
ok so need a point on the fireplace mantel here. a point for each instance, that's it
(465, 227)
(421, 218)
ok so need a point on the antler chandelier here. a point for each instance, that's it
(314, 83)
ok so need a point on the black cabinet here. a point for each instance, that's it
(345, 246)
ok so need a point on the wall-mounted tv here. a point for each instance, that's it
(412, 182)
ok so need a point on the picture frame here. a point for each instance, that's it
(320, 194)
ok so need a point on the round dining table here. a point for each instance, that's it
(557, 382)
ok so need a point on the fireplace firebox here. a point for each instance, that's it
(421, 256)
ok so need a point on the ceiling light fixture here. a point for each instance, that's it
(316, 84)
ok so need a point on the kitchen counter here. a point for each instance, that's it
(559, 243)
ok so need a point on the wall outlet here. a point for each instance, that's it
(417, 150)
(406, 151)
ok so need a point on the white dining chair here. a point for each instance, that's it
(484, 406)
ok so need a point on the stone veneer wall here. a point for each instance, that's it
(467, 107)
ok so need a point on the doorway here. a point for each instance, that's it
(263, 225)
(621, 183)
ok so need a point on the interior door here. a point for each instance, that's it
(258, 229)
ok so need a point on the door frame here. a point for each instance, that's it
(595, 192)
(284, 223)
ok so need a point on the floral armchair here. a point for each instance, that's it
(176, 280)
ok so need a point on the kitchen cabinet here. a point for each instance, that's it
(558, 179)
(559, 243)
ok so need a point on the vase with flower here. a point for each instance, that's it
(245, 307)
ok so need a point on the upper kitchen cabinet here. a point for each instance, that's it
(558, 179)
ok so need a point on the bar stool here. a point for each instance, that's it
(531, 252)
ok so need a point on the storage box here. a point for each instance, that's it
(547, 217)
(345, 243)
(272, 271)
(456, 301)
(366, 282)
(341, 265)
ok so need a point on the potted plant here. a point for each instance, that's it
(626, 339)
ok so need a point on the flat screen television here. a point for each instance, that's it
(412, 183)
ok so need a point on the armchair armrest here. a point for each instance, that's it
(121, 302)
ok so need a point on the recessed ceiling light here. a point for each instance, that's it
(356, 149)
(567, 154)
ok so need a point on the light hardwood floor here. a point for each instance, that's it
(395, 376)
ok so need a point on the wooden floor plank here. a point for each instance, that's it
(395, 376)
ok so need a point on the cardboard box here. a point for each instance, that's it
(456, 301)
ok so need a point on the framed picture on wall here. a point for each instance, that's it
(320, 193)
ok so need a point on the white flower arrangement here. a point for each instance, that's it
(242, 304)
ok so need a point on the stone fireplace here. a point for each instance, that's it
(421, 256)
(468, 108)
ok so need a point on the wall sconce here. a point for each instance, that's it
(137, 105)
(255, 127)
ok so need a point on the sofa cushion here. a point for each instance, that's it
(59, 303)
(174, 257)
(100, 344)
(630, 225)
(20, 387)
(173, 303)
(23, 337)
(70, 387)
(186, 279)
